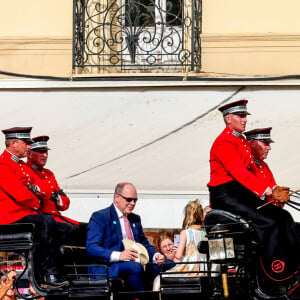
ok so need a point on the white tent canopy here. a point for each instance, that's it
(156, 137)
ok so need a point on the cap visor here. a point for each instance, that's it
(268, 141)
(29, 141)
(40, 149)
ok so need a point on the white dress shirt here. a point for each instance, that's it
(115, 256)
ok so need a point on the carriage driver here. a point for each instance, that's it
(260, 140)
(21, 193)
(236, 187)
(68, 229)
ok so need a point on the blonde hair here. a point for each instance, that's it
(193, 214)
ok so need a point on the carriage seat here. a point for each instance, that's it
(183, 285)
(76, 264)
(227, 220)
(20, 238)
(16, 237)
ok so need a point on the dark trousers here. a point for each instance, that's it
(135, 277)
(133, 273)
(47, 248)
(71, 234)
(275, 228)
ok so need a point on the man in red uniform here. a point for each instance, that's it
(234, 186)
(58, 200)
(260, 140)
(21, 193)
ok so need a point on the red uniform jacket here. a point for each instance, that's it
(48, 206)
(263, 171)
(16, 200)
(231, 159)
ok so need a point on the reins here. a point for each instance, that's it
(292, 203)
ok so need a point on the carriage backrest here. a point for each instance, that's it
(227, 220)
(14, 237)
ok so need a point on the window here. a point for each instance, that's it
(124, 36)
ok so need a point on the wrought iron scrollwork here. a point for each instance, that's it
(143, 35)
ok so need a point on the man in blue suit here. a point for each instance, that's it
(106, 230)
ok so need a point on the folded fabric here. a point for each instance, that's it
(143, 257)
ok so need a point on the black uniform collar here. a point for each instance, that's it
(257, 161)
(35, 167)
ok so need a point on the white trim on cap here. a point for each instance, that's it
(259, 136)
(235, 109)
(17, 135)
(35, 145)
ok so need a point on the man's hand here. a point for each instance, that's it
(281, 194)
(159, 259)
(129, 254)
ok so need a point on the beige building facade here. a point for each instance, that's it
(138, 124)
(238, 38)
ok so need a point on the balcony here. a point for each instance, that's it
(136, 36)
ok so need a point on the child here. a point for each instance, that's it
(187, 251)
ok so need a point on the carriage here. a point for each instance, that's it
(230, 244)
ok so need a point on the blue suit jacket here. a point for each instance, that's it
(104, 236)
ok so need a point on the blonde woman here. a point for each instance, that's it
(187, 250)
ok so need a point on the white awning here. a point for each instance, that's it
(158, 138)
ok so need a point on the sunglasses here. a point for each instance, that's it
(128, 199)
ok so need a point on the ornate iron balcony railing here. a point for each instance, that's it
(116, 36)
